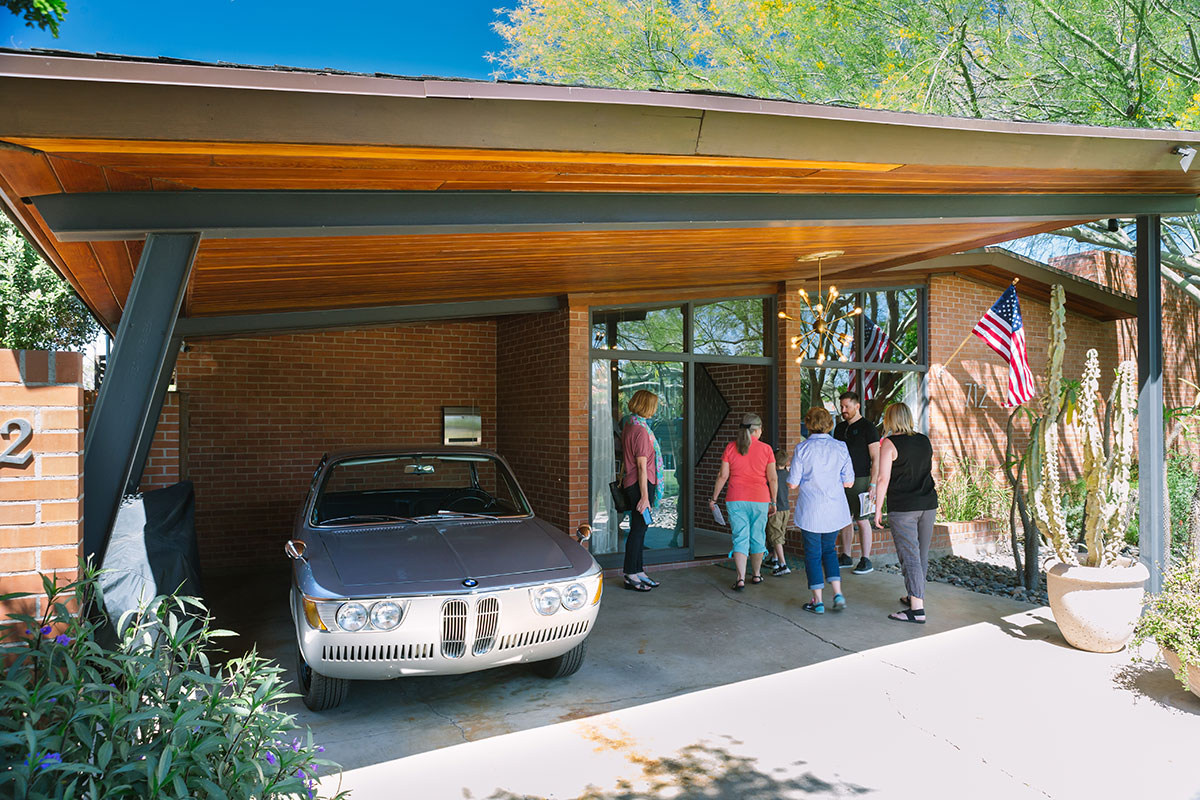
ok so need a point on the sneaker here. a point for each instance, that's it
(770, 562)
(814, 608)
(845, 560)
(782, 569)
(839, 603)
(864, 566)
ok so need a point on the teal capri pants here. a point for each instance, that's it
(749, 523)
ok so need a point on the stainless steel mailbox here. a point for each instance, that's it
(462, 425)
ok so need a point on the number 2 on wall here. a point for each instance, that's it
(24, 432)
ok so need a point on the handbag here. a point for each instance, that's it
(620, 501)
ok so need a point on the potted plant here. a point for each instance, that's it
(1172, 620)
(1096, 601)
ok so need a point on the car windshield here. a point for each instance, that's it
(404, 487)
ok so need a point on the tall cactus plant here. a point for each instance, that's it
(1107, 466)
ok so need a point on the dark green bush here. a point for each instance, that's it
(150, 717)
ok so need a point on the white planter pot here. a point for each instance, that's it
(1097, 607)
(1193, 673)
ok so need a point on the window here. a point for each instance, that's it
(729, 328)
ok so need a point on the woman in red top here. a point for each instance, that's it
(749, 467)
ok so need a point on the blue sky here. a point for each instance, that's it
(447, 39)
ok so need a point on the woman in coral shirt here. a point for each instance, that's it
(749, 467)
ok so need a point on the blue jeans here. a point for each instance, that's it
(820, 550)
(748, 521)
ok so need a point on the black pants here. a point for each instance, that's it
(637, 528)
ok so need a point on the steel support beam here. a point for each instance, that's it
(244, 324)
(1152, 485)
(101, 216)
(134, 382)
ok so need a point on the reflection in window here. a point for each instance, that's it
(891, 333)
(841, 321)
(729, 328)
(656, 330)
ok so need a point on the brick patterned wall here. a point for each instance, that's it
(959, 431)
(162, 462)
(41, 502)
(542, 381)
(744, 387)
(261, 411)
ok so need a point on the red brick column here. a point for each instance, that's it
(791, 375)
(41, 499)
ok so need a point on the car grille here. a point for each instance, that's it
(377, 652)
(512, 640)
(454, 628)
(487, 622)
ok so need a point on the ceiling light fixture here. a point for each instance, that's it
(821, 331)
(1185, 153)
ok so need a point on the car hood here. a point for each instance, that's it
(438, 555)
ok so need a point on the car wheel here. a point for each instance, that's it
(320, 692)
(562, 666)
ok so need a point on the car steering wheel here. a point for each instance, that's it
(468, 494)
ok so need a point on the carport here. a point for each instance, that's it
(187, 202)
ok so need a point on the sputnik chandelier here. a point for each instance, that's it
(821, 330)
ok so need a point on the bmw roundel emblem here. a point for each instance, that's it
(470, 583)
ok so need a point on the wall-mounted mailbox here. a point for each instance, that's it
(462, 425)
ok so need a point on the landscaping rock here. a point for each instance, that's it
(982, 577)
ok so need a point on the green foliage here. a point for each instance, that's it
(151, 717)
(1172, 617)
(1183, 471)
(44, 14)
(1105, 62)
(38, 309)
(968, 490)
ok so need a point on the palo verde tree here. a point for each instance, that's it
(44, 14)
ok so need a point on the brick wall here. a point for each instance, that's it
(542, 381)
(41, 500)
(744, 387)
(261, 411)
(163, 461)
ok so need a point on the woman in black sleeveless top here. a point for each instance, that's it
(906, 479)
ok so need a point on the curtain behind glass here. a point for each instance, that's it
(603, 469)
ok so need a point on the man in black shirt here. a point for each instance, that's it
(862, 440)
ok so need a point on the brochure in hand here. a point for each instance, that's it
(717, 515)
(865, 504)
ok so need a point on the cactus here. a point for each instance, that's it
(1106, 477)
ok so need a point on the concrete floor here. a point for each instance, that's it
(696, 691)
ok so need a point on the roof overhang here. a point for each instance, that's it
(324, 191)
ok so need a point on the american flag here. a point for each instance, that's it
(1001, 328)
(877, 346)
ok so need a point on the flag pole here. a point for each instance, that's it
(950, 360)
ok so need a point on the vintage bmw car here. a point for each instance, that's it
(431, 562)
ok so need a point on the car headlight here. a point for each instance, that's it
(574, 597)
(546, 600)
(385, 615)
(351, 617)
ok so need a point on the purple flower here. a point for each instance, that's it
(45, 761)
(271, 758)
(63, 639)
(45, 630)
(295, 745)
(300, 774)
(51, 699)
(312, 769)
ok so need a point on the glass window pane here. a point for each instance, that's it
(808, 342)
(891, 328)
(729, 328)
(658, 330)
(823, 386)
(894, 387)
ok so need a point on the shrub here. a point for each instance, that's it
(968, 490)
(150, 717)
(1172, 617)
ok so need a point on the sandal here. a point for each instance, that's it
(738, 585)
(906, 601)
(756, 578)
(815, 608)
(908, 615)
(636, 585)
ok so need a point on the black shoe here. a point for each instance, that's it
(636, 585)
(770, 562)
(864, 566)
(845, 560)
(653, 584)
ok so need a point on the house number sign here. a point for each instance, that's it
(24, 433)
(976, 395)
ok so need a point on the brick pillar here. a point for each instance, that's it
(578, 445)
(791, 375)
(41, 499)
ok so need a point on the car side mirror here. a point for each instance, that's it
(295, 549)
(583, 533)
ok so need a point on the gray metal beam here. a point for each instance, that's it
(1152, 485)
(100, 216)
(145, 350)
(150, 423)
(243, 324)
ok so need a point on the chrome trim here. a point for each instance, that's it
(454, 614)
(487, 623)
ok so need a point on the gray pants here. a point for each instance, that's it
(912, 531)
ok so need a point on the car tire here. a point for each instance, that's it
(562, 666)
(319, 692)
